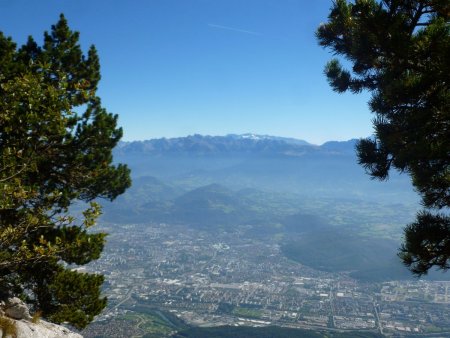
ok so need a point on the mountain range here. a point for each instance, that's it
(261, 162)
(200, 145)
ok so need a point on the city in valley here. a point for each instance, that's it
(160, 275)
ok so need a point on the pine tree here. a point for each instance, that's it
(56, 144)
(399, 51)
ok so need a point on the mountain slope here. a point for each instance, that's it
(261, 162)
(148, 196)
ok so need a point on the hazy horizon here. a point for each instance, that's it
(237, 134)
(174, 68)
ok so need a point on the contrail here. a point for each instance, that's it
(233, 29)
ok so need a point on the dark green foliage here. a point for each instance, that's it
(399, 51)
(75, 297)
(56, 145)
(427, 246)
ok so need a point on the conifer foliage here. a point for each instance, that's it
(399, 50)
(56, 145)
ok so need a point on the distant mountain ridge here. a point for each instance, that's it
(258, 161)
(232, 143)
(258, 137)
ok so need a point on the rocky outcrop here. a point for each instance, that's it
(42, 329)
(15, 314)
(16, 309)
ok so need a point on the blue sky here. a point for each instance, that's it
(178, 67)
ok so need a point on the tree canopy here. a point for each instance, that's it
(399, 50)
(56, 144)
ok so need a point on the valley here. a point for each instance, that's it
(218, 278)
(248, 232)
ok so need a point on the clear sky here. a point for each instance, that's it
(178, 67)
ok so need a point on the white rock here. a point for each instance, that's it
(17, 311)
(15, 308)
(42, 329)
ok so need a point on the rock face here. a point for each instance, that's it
(16, 309)
(42, 329)
(17, 312)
